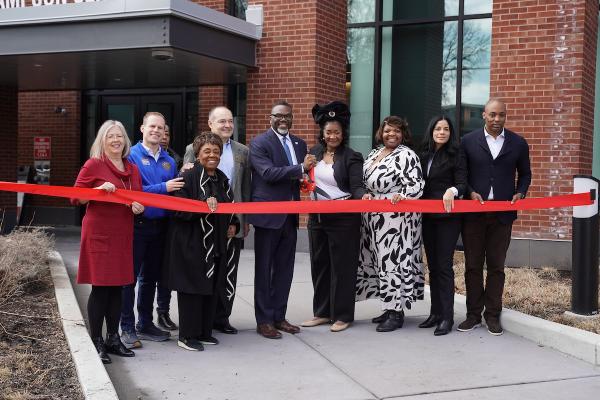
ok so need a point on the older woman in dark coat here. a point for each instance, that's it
(199, 245)
(334, 238)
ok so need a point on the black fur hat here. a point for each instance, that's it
(334, 111)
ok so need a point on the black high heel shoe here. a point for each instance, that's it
(116, 347)
(430, 322)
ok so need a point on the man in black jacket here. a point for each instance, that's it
(496, 158)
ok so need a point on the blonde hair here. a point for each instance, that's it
(97, 150)
(153, 114)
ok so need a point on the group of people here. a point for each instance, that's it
(353, 256)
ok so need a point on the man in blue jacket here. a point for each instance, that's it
(498, 169)
(159, 175)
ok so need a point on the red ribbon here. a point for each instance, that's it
(122, 196)
(308, 185)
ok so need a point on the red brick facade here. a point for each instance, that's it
(301, 58)
(37, 117)
(209, 97)
(543, 66)
(8, 150)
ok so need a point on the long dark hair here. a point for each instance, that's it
(448, 150)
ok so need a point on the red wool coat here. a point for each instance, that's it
(106, 253)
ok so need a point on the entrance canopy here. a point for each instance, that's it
(113, 44)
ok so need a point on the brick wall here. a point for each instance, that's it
(543, 66)
(38, 118)
(8, 150)
(208, 98)
(301, 58)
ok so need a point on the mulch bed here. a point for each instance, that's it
(35, 362)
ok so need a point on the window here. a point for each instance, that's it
(237, 8)
(417, 59)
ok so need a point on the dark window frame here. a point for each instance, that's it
(378, 24)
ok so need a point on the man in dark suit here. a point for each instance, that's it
(496, 158)
(278, 161)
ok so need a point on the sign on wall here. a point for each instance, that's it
(37, 3)
(41, 148)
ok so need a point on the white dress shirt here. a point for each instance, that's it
(495, 146)
(290, 146)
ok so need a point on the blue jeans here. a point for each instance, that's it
(148, 246)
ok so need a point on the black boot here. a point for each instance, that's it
(101, 349)
(430, 322)
(381, 318)
(115, 346)
(164, 321)
(444, 327)
(394, 320)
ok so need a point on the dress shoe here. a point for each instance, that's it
(287, 327)
(380, 319)
(101, 349)
(115, 346)
(164, 321)
(430, 322)
(315, 321)
(444, 327)
(268, 331)
(339, 326)
(225, 327)
(394, 320)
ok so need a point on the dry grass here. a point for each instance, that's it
(23, 257)
(35, 362)
(543, 292)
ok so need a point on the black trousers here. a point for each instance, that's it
(439, 237)
(486, 240)
(103, 304)
(226, 293)
(196, 314)
(334, 241)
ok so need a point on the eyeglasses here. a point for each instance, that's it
(282, 116)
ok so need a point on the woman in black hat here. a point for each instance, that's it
(334, 238)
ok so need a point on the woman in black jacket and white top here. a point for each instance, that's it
(334, 239)
(445, 171)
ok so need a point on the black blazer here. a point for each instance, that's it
(512, 164)
(347, 169)
(446, 171)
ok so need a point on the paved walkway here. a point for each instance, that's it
(355, 364)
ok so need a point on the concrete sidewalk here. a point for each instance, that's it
(355, 364)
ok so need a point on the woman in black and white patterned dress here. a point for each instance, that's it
(391, 264)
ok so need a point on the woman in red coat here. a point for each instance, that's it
(106, 254)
